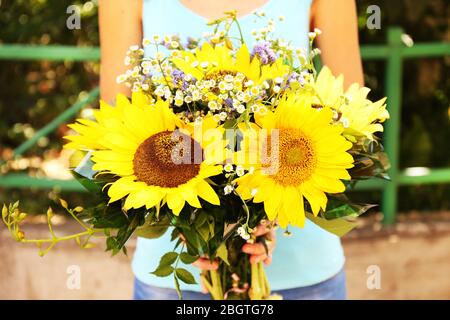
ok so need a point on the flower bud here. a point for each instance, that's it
(229, 44)
(20, 235)
(63, 204)
(50, 212)
(15, 214)
(4, 211)
(22, 216)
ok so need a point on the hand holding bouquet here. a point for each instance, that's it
(219, 145)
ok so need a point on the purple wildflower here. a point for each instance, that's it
(294, 76)
(228, 102)
(265, 54)
(177, 75)
(178, 78)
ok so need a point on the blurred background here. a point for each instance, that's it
(49, 75)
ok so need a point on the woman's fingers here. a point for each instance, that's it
(254, 248)
(268, 260)
(256, 258)
(261, 230)
(258, 251)
(206, 264)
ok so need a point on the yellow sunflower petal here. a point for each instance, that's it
(206, 192)
(175, 202)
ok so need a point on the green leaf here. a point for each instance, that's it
(340, 206)
(203, 228)
(90, 184)
(187, 258)
(168, 259)
(151, 231)
(163, 271)
(177, 244)
(222, 253)
(175, 234)
(339, 212)
(211, 226)
(203, 231)
(185, 276)
(339, 227)
(125, 232)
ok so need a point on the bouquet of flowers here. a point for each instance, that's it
(218, 141)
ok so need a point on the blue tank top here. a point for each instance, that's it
(310, 255)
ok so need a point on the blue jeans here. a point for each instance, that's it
(331, 289)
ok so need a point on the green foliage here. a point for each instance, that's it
(185, 276)
(186, 258)
(339, 226)
(425, 120)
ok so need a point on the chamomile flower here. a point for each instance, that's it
(228, 189)
(240, 171)
(146, 42)
(228, 167)
(223, 116)
(240, 108)
(212, 105)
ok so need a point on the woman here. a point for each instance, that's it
(309, 264)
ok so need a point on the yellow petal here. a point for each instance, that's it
(175, 202)
(206, 192)
(121, 188)
(137, 199)
(316, 198)
(272, 204)
(327, 184)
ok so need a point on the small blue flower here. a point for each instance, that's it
(265, 54)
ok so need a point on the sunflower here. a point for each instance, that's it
(214, 63)
(301, 155)
(156, 158)
(359, 115)
(91, 131)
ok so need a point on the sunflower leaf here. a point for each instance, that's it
(222, 253)
(339, 226)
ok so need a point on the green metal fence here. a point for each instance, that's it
(393, 52)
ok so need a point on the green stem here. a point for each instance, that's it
(205, 281)
(264, 282)
(77, 220)
(256, 292)
(216, 292)
(240, 30)
(56, 240)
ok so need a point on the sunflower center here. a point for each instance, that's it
(167, 159)
(290, 157)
